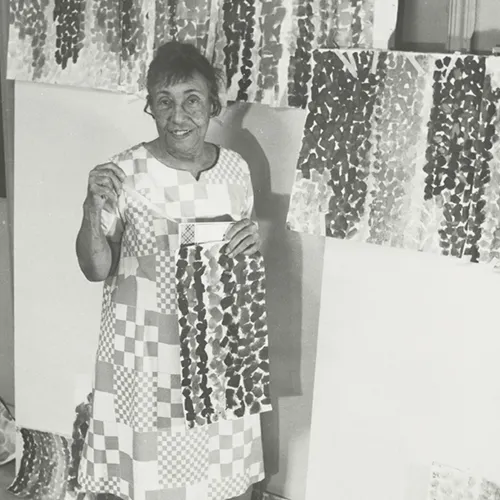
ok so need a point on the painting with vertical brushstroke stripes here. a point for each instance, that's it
(402, 149)
(223, 334)
(49, 462)
(43, 472)
(263, 48)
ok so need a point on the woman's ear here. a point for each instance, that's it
(147, 107)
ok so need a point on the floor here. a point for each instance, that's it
(7, 473)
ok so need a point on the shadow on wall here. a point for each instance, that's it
(483, 41)
(283, 257)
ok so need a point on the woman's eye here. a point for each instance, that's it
(193, 100)
(164, 103)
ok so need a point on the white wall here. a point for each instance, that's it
(407, 373)
(60, 134)
(487, 32)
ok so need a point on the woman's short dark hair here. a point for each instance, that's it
(177, 62)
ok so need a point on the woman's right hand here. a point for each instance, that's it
(104, 185)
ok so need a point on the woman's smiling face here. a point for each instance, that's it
(182, 112)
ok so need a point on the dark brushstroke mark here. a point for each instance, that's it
(271, 49)
(28, 18)
(487, 136)
(299, 72)
(246, 29)
(230, 23)
(69, 18)
(356, 24)
(453, 136)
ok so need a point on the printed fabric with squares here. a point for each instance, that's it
(148, 437)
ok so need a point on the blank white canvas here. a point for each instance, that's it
(407, 373)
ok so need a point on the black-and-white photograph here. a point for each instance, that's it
(249, 249)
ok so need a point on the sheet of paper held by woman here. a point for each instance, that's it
(182, 365)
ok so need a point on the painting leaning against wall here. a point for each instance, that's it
(263, 48)
(401, 149)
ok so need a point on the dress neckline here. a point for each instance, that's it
(197, 178)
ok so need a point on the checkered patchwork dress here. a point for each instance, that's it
(138, 446)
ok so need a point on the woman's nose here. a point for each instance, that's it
(177, 114)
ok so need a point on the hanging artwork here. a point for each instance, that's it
(401, 149)
(263, 48)
(50, 462)
(448, 483)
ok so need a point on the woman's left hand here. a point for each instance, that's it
(243, 237)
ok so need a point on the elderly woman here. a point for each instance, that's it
(138, 446)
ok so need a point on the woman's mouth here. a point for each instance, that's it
(180, 133)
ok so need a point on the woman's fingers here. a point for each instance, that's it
(106, 181)
(236, 228)
(243, 238)
(105, 192)
(107, 176)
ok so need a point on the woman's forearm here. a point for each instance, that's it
(93, 250)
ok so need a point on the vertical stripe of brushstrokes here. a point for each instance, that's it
(244, 317)
(397, 126)
(193, 323)
(192, 19)
(106, 33)
(231, 26)
(138, 37)
(300, 72)
(201, 337)
(69, 18)
(165, 21)
(29, 20)
(483, 243)
(270, 48)
(247, 25)
(452, 151)
(216, 335)
(482, 176)
(354, 23)
(43, 474)
(132, 30)
(327, 16)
